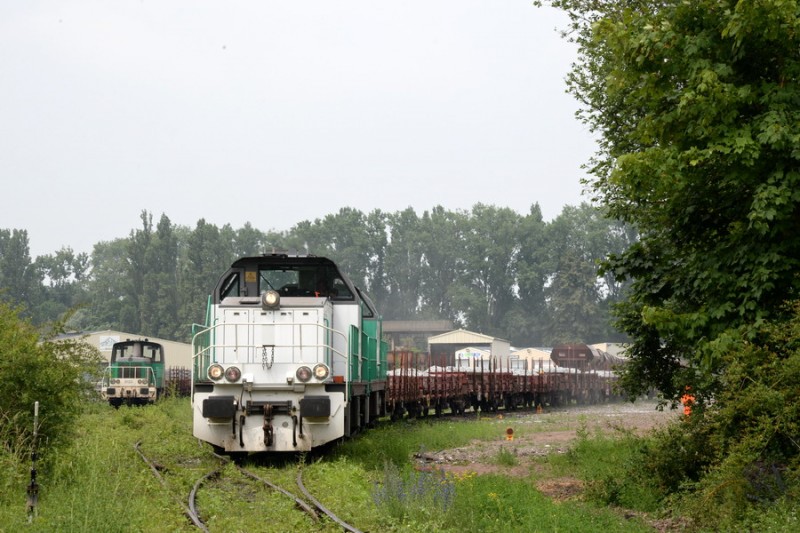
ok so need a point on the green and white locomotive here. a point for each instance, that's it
(290, 357)
(135, 373)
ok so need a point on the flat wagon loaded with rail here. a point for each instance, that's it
(575, 373)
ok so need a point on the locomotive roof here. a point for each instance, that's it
(291, 260)
(282, 258)
(277, 259)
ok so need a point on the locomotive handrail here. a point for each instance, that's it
(106, 377)
(202, 356)
(294, 346)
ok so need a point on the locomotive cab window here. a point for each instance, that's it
(137, 350)
(230, 287)
(304, 280)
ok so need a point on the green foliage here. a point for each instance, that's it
(500, 503)
(610, 467)
(755, 425)
(506, 457)
(97, 482)
(57, 374)
(677, 456)
(415, 496)
(488, 269)
(698, 104)
(20, 281)
(732, 460)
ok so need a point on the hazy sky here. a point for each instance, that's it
(274, 112)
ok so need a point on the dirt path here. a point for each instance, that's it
(539, 434)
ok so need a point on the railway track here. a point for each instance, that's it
(190, 509)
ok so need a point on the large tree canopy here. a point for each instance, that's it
(488, 269)
(698, 108)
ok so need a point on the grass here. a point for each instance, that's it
(100, 484)
(608, 465)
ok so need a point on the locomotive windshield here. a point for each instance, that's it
(303, 280)
(289, 275)
(137, 349)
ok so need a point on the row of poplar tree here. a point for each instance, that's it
(488, 269)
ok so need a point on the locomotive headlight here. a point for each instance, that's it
(303, 374)
(215, 372)
(270, 299)
(321, 372)
(233, 374)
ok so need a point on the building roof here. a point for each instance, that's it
(462, 336)
(416, 326)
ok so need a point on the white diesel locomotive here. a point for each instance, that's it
(290, 357)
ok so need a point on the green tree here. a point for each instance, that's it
(159, 298)
(487, 281)
(377, 236)
(250, 241)
(698, 104)
(54, 373)
(208, 256)
(442, 242)
(404, 266)
(573, 310)
(528, 317)
(20, 279)
(698, 108)
(136, 271)
(578, 300)
(343, 237)
(64, 285)
(106, 286)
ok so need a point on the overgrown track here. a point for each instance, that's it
(156, 471)
(318, 505)
(191, 510)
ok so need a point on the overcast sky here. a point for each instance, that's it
(274, 112)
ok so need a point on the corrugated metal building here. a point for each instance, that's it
(443, 347)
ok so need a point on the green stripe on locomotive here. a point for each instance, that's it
(144, 354)
(373, 352)
(139, 370)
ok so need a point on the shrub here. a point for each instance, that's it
(740, 455)
(52, 373)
